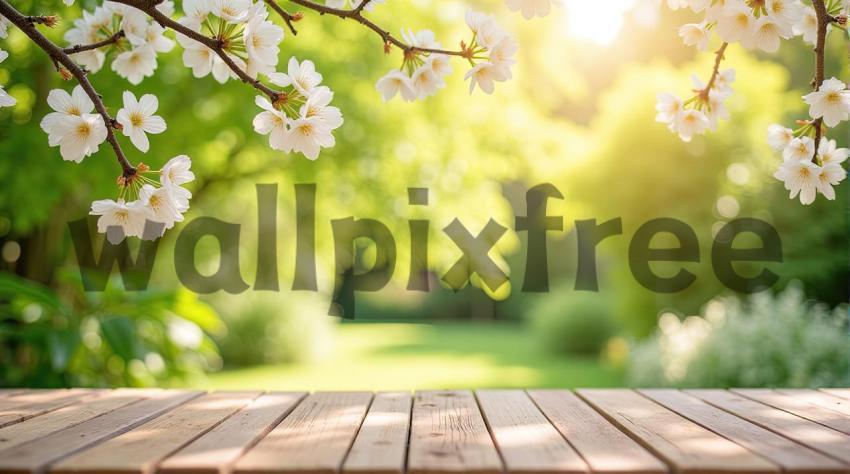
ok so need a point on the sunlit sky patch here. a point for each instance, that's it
(597, 21)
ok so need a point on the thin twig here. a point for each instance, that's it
(58, 56)
(823, 21)
(356, 15)
(88, 47)
(720, 54)
(289, 18)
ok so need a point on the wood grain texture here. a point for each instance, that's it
(448, 434)
(837, 392)
(605, 448)
(527, 442)
(815, 397)
(19, 407)
(381, 444)
(36, 455)
(686, 446)
(799, 407)
(792, 457)
(65, 417)
(808, 433)
(314, 438)
(217, 450)
(140, 450)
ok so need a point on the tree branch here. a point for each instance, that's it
(58, 56)
(149, 8)
(289, 18)
(79, 48)
(356, 15)
(823, 21)
(718, 58)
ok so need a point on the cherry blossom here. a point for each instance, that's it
(137, 119)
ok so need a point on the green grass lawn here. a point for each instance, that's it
(390, 356)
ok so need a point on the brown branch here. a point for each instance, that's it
(58, 56)
(720, 54)
(823, 21)
(79, 48)
(149, 8)
(289, 18)
(356, 15)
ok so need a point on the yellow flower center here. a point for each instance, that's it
(136, 119)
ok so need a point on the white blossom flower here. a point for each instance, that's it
(137, 119)
(690, 122)
(134, 24)
(829, 153)
(262, 38)
(830, 174)
(799, 149)
(308, 135)
(233, 11)
(129, 216)
(271, 122)
(82, 33)
(156, 39)
(173, 175)
(440, 64)
(735, 21)
(5, 99)
(766, 34)
(695, 34)
(302, 76)
(425, 83)
(484, 75)
(830, 102)
(807, 25)
(801, 178)
(667, 106)
(78, 136)
(530, 8)
(779, 137)
(74, 104)
(487, 31)
(4, 27)
(196, 56)
(786, 12)
(160, 204)
(221, 72)
(318, 105)
(396, 82)
(136, 64)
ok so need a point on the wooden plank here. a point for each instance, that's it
(605, 448)
(808, 433)
(66, 417)
(36, 455)
(314, 438)
(448, 434)
(140, 450)
(18, 408)
(799, 407)
(815, 397)
(381, 444)
(792, 457)
(686, 446)
(7, 392)
(837, 392)
(526, 440)
(217, 450)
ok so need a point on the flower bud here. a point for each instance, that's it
(65, 73)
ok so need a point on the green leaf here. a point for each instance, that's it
(61, 345)
(120, 333)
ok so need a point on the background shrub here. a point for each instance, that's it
(766, 341)
(571, 322)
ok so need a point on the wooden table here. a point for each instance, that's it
(453, 431)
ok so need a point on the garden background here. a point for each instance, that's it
(579, 115)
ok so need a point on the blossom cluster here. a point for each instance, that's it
(701, 112)
(228, 39)
(144, 200)
(807, 169)
(139, 39)
(812, 163)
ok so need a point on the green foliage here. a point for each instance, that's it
(73, 338)
(267, 328)
(767, 341)
(572, 322)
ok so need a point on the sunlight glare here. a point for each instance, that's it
(596, 21)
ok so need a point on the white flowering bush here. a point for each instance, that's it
(229, 40)
(767, 341)
(812, 163)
